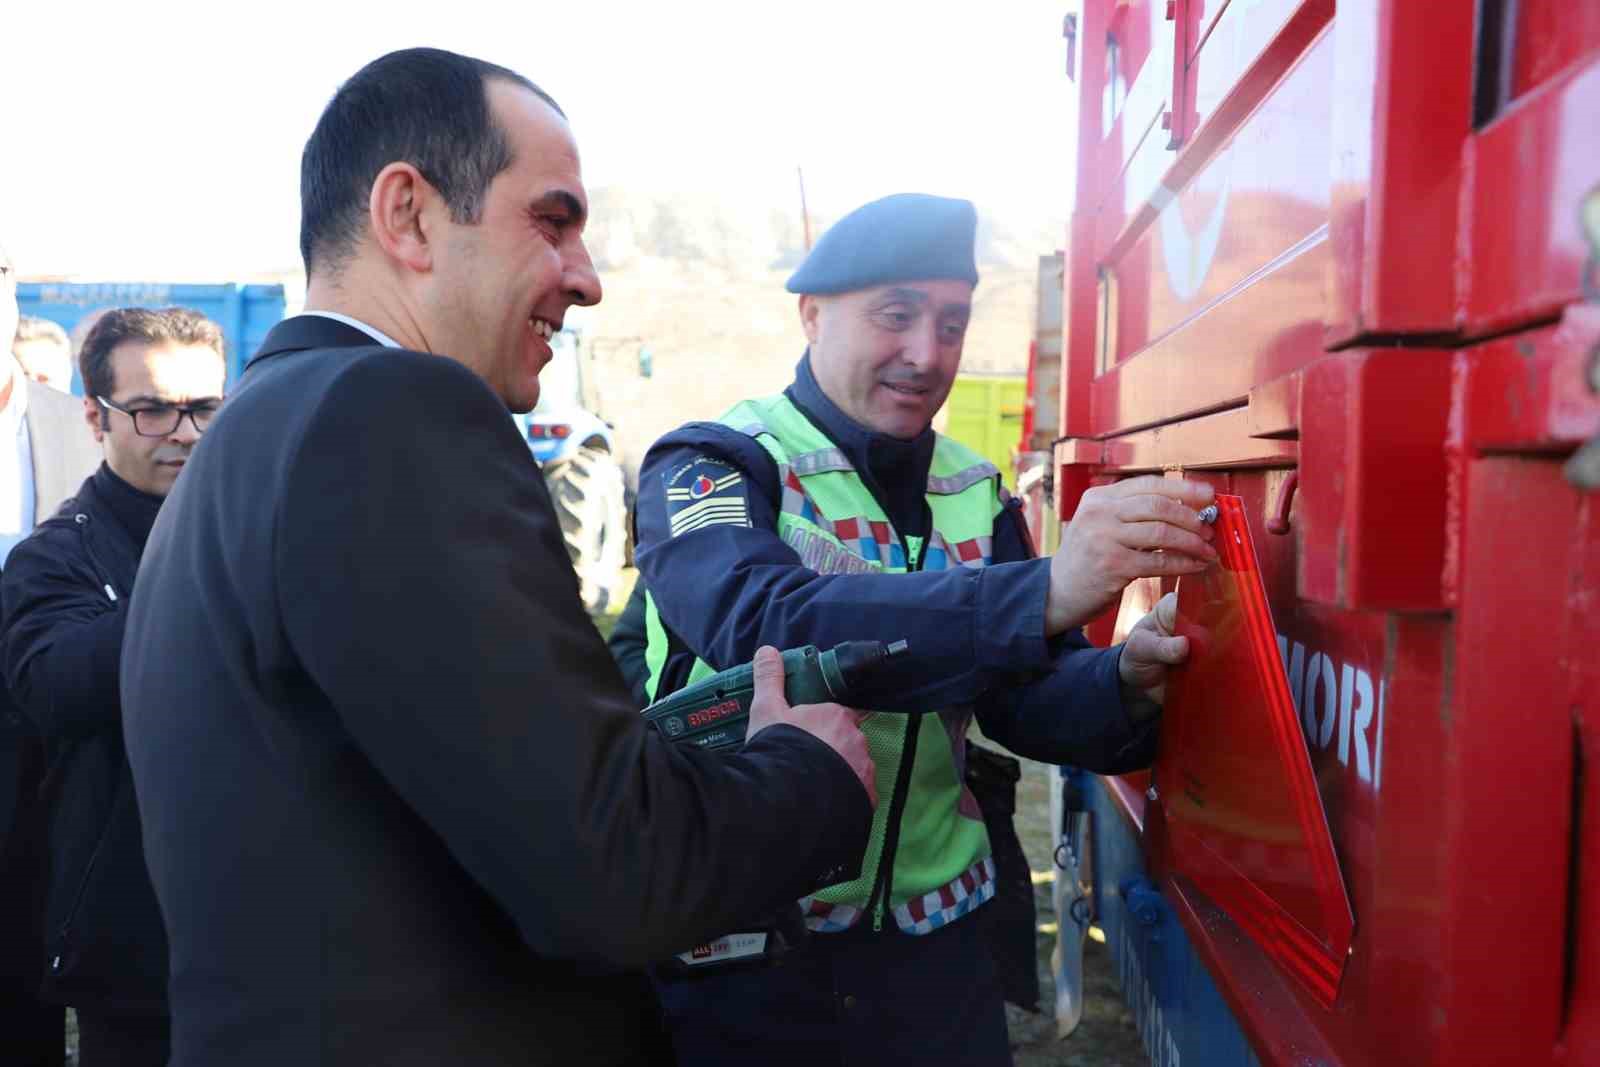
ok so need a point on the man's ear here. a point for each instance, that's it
(95, 416)
(396, 208)
(810, 310)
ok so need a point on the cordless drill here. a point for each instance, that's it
(712, 713)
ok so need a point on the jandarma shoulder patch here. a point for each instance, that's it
(705, 492)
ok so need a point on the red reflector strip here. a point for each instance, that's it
(1243, 816)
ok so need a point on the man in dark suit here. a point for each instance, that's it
(46, 452)
(398, 805)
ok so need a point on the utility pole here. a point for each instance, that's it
(805, 216)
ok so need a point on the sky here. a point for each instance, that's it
(160, 141)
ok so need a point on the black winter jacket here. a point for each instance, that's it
(63, 606)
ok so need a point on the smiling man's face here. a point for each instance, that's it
(887, 356)
(501, 286)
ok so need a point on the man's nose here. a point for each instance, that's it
(185, 433)
(579, 279)
(921, 346)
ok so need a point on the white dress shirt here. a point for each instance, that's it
(371, 331)
(16, 464)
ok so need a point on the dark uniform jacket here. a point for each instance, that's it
(976, 635)
(65, 593)
(398, 805)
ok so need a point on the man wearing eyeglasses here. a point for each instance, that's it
(152, 381)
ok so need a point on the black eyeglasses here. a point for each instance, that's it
(165, 419)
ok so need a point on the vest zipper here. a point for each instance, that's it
(883, 885)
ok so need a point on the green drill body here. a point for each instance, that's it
(713, 712)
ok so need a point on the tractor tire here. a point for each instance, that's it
(588, 492)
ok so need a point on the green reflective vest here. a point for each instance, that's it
(929, 822)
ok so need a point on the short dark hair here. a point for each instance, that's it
(176, 326)
(422, 106)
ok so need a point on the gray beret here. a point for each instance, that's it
(901, 238)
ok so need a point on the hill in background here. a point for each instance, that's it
(698, 280)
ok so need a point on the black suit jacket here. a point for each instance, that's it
(398, 805)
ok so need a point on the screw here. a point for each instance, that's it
(1208, 514)
(1153, 795)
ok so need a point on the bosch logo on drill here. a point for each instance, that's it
(706, 716)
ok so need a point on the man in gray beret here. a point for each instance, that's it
(833, 512)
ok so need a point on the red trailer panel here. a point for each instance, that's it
(1343, 261)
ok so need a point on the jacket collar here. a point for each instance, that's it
(133, 508)
(896, 471)
(308, 331)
